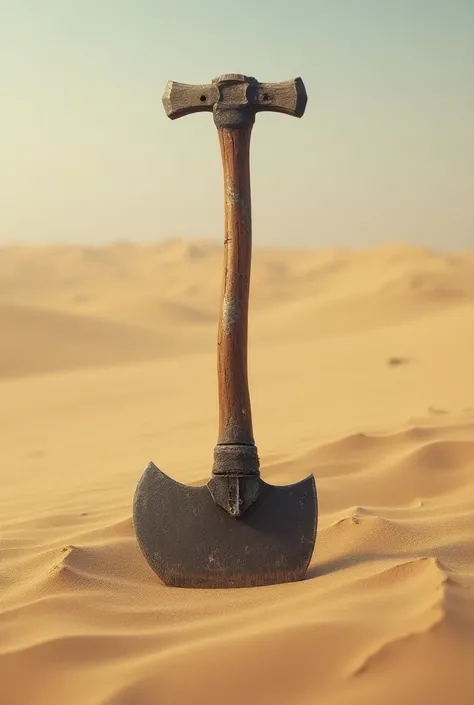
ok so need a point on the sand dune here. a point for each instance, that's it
(39, 340)
(361, 372)
(153, 312)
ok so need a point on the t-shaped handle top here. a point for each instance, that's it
(235, 99)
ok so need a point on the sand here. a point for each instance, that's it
(361, 371)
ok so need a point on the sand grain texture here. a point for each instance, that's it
(361, 372)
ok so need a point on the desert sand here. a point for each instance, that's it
(361, 371)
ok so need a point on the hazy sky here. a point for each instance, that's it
(384, 152)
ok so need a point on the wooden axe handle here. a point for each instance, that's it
(235, 416)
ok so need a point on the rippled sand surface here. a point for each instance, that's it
(361, 371)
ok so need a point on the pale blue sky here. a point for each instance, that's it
(385, 151)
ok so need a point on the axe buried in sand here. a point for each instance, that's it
(237, 530)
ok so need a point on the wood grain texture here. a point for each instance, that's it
(235, 416)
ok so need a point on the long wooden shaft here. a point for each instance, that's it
(235, 416)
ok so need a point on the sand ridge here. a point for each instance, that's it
(360, 371)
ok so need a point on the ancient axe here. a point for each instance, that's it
(237, 530)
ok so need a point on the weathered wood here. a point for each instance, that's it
(235, 415)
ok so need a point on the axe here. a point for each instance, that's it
(237, 530)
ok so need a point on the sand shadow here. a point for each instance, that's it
(319, 569)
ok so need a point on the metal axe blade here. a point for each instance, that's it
(189, 541)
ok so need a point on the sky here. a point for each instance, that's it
(384, 152)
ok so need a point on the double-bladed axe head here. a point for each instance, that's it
(237, 530)
(234, 99)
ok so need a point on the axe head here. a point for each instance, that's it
(235, 99)
(191, 541)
